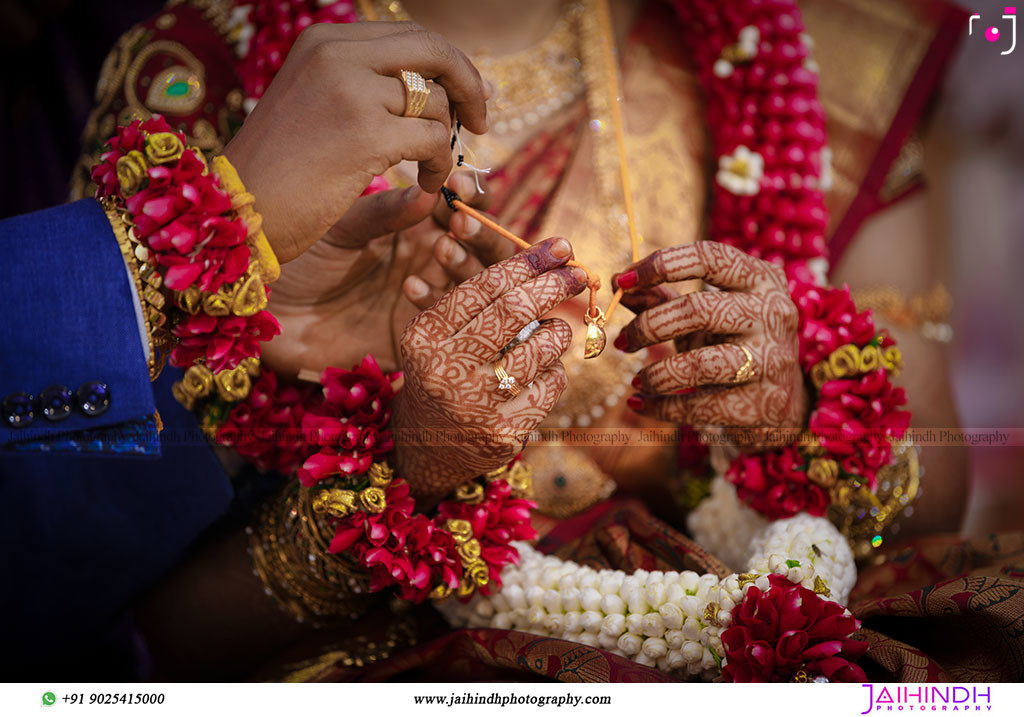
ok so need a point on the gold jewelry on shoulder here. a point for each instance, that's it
(928, 311)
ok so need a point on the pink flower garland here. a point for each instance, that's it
(277, 27)
(789, 628)
(266, 427)
(181, 214)
(399, 547)
(767, 103)
(352, 429)
(854, 420)
(185, 221)
(765, 99)
(415, 554)
(340, 432)
(496, 521)
(222, 342)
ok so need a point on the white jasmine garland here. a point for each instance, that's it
(750, 37)
(722, 68)
(669, 620)
(804, 548)
(724, 525)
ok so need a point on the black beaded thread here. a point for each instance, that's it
(450, 197)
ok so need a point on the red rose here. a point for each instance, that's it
(828, 319)
(264, 427)
(364, 393)
(496, 521)
(351, 426)
(856, 419)
(774, 484)
(790, 628)
(222, 342)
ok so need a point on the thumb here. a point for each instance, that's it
(379, 214)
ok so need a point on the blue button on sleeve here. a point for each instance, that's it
(68, 318)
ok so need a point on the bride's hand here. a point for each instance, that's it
(332, 119)
(698, 386)
(467, 249)
(451, 421)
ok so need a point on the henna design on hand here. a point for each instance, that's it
(754, 310)
(451, 421)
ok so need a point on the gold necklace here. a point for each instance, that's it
(529, 86)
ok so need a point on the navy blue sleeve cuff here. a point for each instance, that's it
(68, 324)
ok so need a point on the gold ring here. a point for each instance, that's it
(416, 93)
(746, 371)
(506, 382)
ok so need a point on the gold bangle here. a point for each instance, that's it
(148, 283)
(288, 543)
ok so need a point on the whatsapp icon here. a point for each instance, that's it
(49, 698)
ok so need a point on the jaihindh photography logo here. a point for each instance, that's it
(948, 698)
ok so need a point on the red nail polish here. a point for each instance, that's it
(620, 342)
(635, 402)
(638, 383)
(627, 280)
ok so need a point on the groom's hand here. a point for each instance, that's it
(332, 119)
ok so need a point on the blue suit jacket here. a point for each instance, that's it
(94, 508)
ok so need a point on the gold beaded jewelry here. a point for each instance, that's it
(928, 311)
(148, 283)
(288, 544)
(864, 516)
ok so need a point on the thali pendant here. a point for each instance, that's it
(595, 342)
